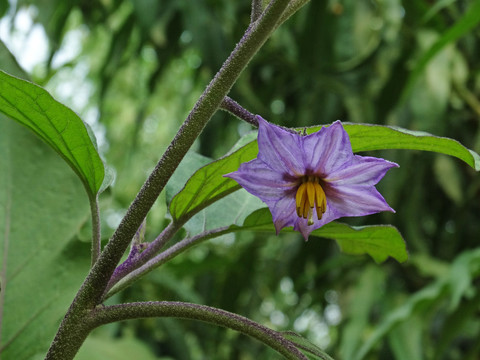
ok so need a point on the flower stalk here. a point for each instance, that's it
(162, 258)
(236, 109)
(137, 260)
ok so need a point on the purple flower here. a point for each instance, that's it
(308, 181)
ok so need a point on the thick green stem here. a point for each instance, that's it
(91, 292)
(274, 339)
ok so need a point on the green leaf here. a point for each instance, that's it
(188, 166)
(379, 241)
(365, 137)
(55, 124)
(376, 137)
(312, 351)
(208, 183)
(42, 207)
(231, 209)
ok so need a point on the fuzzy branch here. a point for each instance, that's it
(162, 258)
(236, 109)
(257, 8)
(274, 339)
(96, 230)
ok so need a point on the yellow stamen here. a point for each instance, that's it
(310, 194)
(321, 201)
(300, 199)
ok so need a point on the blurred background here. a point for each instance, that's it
(133, 69)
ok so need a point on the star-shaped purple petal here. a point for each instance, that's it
(286, 160)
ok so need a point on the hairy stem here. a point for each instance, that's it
(236, 109)
(203, 110)
(274, 339)
(96, 230)
(90, 294)
(240, 112)
(154, 247)
(163, 257)
(257, 8)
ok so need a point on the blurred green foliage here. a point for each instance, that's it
(133, 70)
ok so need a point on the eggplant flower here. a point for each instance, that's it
(308, 181)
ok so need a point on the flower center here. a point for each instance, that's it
(310, 194)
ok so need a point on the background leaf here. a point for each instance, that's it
(55, 124)
(467, 22)
(457, 283)
(42, 207)
(357, 320)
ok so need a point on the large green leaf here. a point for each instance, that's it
(379, 241)
(208, 184)
(231, 209)
(42, 207)
(55, 124)
(376, 137)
